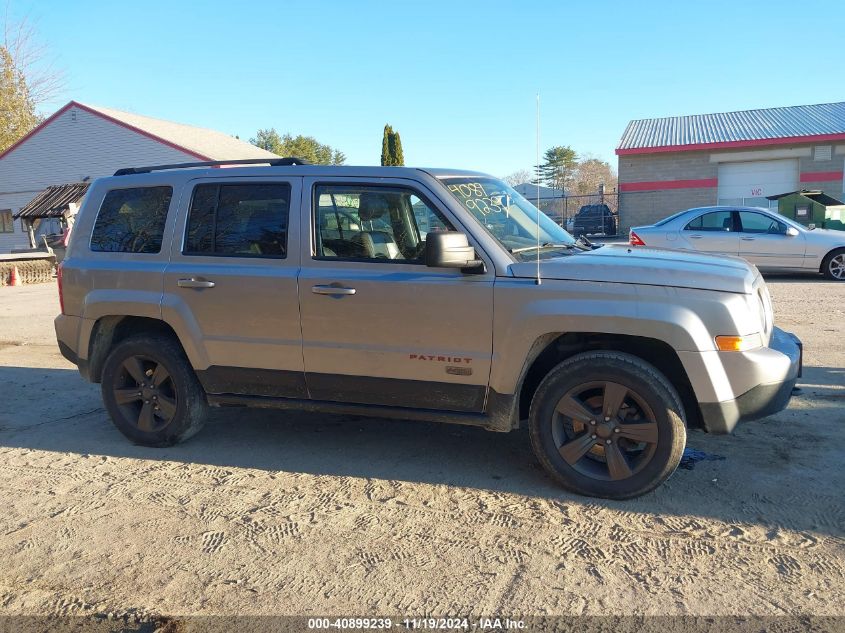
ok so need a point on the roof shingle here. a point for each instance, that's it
(208, 143)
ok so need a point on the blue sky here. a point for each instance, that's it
(457, 79)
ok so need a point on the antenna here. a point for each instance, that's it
(539, 281)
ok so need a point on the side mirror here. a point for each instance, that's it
(791, 231)
(450, 249)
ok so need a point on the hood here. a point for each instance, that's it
(620, 263)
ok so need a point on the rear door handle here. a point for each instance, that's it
(747, 239)
(695, 237)
(332, 290)
(195, 283)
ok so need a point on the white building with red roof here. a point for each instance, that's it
(81, 142)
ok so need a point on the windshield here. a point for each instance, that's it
(510, 218)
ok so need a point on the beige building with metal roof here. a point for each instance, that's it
(729, 158)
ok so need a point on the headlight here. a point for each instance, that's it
(739, 343)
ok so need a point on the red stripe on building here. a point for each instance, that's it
(732, 144)
(660, 185)
(820, 176)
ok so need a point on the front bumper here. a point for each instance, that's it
(762, 400)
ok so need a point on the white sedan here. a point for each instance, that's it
(765, 238)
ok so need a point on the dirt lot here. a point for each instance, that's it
(273, 513)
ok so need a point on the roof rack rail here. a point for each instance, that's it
(272, 162)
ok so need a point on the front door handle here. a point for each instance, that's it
(332, 290)
(195, 283)
(747, 239)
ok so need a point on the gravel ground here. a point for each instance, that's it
(273, 513)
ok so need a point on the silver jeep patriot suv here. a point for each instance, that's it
(413, 294)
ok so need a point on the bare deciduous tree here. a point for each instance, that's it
(518, 177)
(32, 59)
(591, 172)
(27, 79)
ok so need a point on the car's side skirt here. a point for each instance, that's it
(396, 392)
(359, 395)
(366, 390)
(349, 408)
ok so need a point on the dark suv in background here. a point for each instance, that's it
(593, 219)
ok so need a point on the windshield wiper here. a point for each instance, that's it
(514, 251)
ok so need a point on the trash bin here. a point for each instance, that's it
(814, 208)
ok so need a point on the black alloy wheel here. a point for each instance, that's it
(145, 393)
(604, 430)
(151, 391)
(607, 424)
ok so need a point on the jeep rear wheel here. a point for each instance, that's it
(151, 391)
(607, 424)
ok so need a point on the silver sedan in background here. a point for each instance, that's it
(765, 238)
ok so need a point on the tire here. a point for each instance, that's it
(159, 364)
(833, 265)
(584, 457)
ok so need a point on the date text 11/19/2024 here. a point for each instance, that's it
(417, 624)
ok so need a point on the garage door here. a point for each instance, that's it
(749, 183)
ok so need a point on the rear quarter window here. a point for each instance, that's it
(131, 220)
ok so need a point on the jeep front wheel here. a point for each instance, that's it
(607, 424)
(151, 392)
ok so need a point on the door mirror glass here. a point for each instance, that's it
(449, 249)
(791, 231)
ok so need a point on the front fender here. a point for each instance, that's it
(525, 312)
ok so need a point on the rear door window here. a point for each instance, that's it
(239, 220)
(132, 220)
(714, 221)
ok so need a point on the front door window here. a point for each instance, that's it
(362, 223)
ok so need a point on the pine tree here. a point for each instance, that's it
(559, 166)
(386, 158)
(398, 155)
(391, 148)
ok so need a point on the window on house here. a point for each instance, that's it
(239, 220)
(132, 220)
(7, 224)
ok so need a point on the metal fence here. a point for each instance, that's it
(600, 211)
